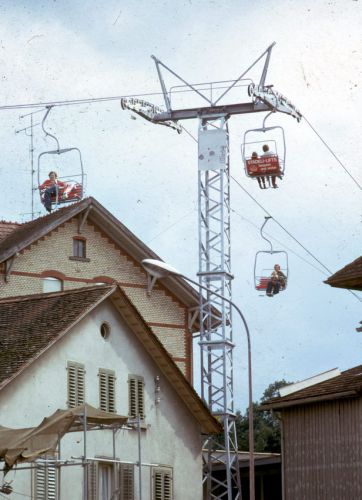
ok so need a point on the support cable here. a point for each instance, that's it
(333, 154)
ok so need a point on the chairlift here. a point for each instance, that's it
(263, 153)
(265, 260)
(71, 186)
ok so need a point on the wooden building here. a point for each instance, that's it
(322, 437)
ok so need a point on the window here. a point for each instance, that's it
(126, 482)
(45, 483)
(52, 285)
(76, 386)
(102, 484)
(79, 248)
(136, 397)
(107, 390)
(162, 483)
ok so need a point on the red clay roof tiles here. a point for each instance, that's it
(28, 324)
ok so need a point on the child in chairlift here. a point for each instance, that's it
(53, 189)
(277, 281)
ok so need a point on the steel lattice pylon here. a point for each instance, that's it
(216, 336)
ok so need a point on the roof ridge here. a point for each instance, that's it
(69, 291)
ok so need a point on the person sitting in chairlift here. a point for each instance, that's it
(277, 281)
(260, 178)
(267, 152)
(51, 189)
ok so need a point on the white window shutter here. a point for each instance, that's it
(126, 482)
(76, 384)
(92, 481)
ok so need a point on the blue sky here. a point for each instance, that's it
(147, 175)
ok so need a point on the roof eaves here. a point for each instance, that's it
(44, 229)
(287, 403)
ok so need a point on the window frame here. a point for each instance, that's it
(53, 279)
(79, 249)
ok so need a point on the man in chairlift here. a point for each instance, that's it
(277, 281)
(52, 189)
(267, 152)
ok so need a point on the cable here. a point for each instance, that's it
(73, 102)
(171, 226)
(335, 156)
(289, 234)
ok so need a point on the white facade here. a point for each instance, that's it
(170, 435)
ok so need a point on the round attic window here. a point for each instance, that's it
(105, 330)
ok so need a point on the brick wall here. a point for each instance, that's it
(49, 256)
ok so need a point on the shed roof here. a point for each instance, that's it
(30, 325)
(346, 385)
(350, 276)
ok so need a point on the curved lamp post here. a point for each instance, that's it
(159, 269)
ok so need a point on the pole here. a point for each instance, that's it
(139, 458)
(250, 388)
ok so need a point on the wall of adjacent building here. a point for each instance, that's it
(322, 451)
(170, 434)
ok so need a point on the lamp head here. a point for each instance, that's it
(159, 269)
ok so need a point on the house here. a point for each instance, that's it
(321, 436)
(84, 244)
(350, 276)
(93, 345)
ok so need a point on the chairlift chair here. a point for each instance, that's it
(74, 190)
(264, 264)
(264, 165)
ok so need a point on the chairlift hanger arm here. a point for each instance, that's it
(275, 100)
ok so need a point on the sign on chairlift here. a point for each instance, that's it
(148, 111)
(212, 149)
(263, 165)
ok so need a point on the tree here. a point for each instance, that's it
(266, 424)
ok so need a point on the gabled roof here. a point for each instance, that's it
(29, 232)
(6, 228)
(30, 325)
(350, 276)
(346, 385)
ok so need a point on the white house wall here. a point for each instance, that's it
(171, 435)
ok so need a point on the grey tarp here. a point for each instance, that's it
(26, 445)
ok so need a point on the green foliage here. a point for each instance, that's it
(266, 424)
(267, 437)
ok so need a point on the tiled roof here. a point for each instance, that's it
(28, 324)
(6, 228)
(349, 276)
(347, 384)
(31, 324)
(28, 232)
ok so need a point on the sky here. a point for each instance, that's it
(146, 175)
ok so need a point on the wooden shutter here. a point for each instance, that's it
(46, 486)
(126, 482)
(162, 484)
(92, 481)
(136, 397)
(107, 386)
(76, 385)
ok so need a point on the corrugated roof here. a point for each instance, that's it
(347, 385)
(30, 324)
(350, 276)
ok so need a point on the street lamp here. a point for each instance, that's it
(159, 269)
